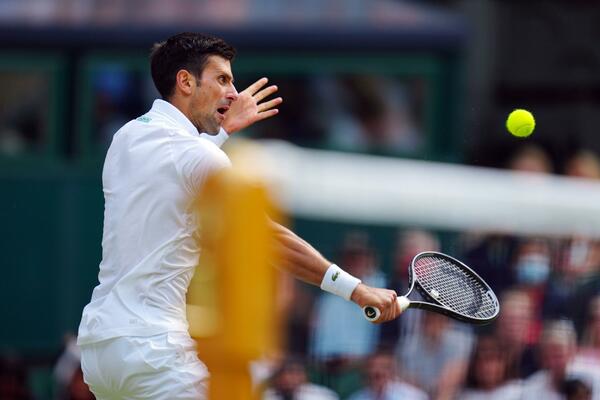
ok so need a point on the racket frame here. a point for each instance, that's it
(431, 303)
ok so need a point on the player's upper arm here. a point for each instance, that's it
(196, 161)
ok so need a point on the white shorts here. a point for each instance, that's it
(164, 366)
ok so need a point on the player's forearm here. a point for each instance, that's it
(298, 257)
(304, 262)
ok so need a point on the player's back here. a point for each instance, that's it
(152, 171)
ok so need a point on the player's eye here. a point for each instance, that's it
(222, 79)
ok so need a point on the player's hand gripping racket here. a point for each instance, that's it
(448, 287)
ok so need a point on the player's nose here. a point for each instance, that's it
(232, 94)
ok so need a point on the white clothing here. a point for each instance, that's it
(509, 391)
(586, 367)
(134, 334)
(539, 386)
(307, 391)
(153, 170)
(160, 367)
(393, 391)
(424, 360)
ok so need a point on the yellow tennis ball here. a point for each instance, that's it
(520, 123)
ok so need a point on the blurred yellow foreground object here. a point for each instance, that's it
(231, 298)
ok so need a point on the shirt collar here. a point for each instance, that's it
(168, 109)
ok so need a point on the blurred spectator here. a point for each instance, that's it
(117, 99)
(532, 268)
(299, 123)
(77, 388)
(377, 114)
(531, 158)
(24, 112)
(513, 331)
(340, 332)
(290, 383)
(533, 265)
(576, 389)
(557, 348)
(382, 382)
(588, 286)
(408, 244)
(574, 266)
(68, 374)
(341, 336)
(296, 301)
(583, 164)
(491, 258)
(586, 363)
(13, 379)
(487, 376)
(493, 255)
(591, 337)
(436, 357)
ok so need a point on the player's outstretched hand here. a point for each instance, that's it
(250, 108)
(383, 299)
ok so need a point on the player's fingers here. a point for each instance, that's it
(269, 104)
(266, 114)
(388, 315)
(385, 314)
(265, 92)
(397, 309)
(255, 87)
(393, 307)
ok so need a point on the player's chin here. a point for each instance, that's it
(220, 117)
(218, 120)
(215, 125)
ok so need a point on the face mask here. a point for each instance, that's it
(533, 269)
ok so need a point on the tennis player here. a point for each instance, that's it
(133, 334)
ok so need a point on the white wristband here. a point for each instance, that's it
(339, 282)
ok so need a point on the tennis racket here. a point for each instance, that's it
(448, 287)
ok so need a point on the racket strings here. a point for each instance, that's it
(454, 287)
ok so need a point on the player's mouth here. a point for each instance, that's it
(221, 111)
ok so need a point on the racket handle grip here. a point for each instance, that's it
(372, 314)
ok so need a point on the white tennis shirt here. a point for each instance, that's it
(153, 170)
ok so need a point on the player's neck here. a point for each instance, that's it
(181, 104)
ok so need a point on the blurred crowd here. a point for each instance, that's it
(350, 112)
(34, 380)
(546, 342)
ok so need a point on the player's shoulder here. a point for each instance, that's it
(193, 148)
(142, 125)
(217, 155)
(152, 120)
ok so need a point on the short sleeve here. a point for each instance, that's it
(217, 139)
(195, 160)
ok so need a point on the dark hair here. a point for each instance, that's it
(487, 346)
(574, 388)
(188, 51)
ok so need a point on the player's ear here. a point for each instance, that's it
(184, 81)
